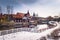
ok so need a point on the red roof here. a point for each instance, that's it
(18, 15)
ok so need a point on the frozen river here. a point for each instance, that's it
(38, 33)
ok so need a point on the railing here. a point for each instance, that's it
(4, 32)
(21, 29)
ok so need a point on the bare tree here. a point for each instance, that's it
(0, 10)
(9, 9)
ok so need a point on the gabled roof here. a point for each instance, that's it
(18, 15)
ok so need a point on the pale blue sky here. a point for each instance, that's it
(43, 8)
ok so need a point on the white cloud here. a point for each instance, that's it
(50, 9)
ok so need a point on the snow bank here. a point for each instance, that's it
(42, 26)
(28, 35)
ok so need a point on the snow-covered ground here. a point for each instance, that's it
(24, 35)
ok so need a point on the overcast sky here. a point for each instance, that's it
(43, 8)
